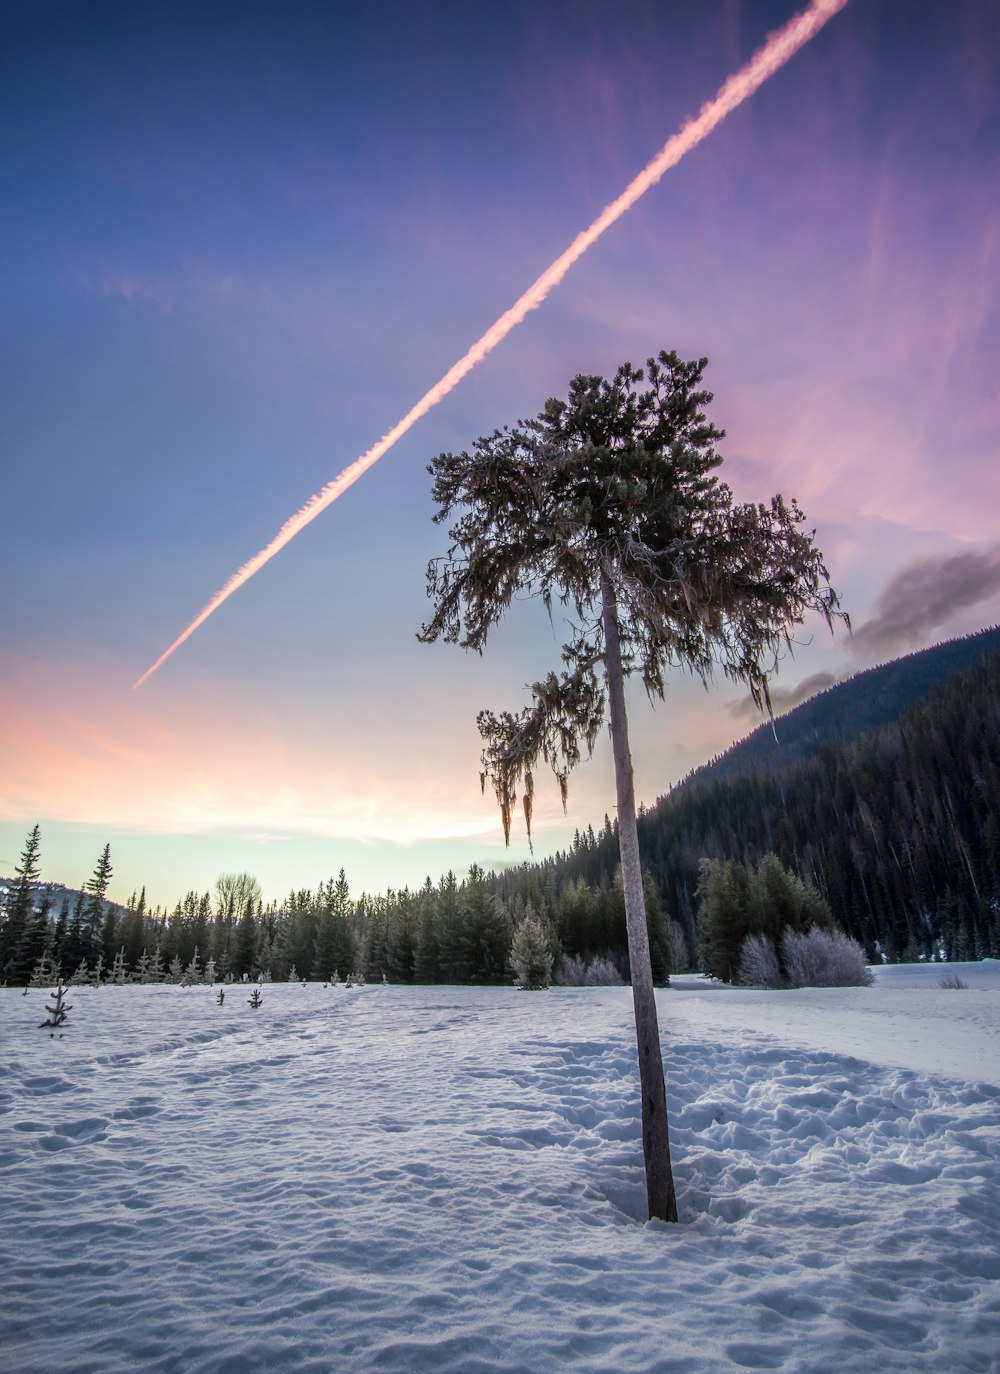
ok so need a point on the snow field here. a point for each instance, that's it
(450, 1179)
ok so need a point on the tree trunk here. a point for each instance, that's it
(655, 1138)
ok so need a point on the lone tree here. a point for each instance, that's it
(607, 503)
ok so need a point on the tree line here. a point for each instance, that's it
(899, 832)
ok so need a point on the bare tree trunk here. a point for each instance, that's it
(655, 1139)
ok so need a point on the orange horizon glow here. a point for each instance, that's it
(778, 49)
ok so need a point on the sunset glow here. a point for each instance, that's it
(234, 251)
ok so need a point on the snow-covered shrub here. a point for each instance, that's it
(680, 955)
(530, 956)
(603, 972)
(573, 971)
(824, 959)
(570, 972)
(759, 967)
(952, 980)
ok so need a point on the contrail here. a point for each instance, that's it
(776, 51)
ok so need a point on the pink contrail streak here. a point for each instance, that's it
(776, 51)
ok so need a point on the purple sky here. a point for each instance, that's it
(241, 241)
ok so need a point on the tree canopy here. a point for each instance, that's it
(617, 482)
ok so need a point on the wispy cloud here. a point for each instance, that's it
(925, 596)
(188, 285)
(785, 698)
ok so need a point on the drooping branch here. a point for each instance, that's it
(564, 718)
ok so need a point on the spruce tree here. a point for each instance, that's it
(93, 911)
(20, 905)
(530, 955)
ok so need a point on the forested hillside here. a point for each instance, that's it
(861, 704)
(899, 827)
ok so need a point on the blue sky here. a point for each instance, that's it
(241, 241)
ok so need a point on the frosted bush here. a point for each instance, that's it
(604, 973)
(570, 972)
(759, 966)
(680, 957)
(573, 971)
(824, 959)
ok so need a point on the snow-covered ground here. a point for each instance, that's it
(450, 1179)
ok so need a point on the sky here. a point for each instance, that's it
(240, 242)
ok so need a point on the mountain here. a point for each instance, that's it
(884, 792)
(857, 706)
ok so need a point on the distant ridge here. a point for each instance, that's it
(860, 704)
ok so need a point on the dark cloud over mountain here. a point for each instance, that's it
(921, 598)
(784, 698)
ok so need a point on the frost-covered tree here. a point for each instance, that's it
(530, 955)
(607, 503)
(192, 972)
(759, 967)
(119, 975)
(45, 972)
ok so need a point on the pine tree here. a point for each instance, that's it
(486, 934)
(427, 949)
(20, 906)
(93, 911)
